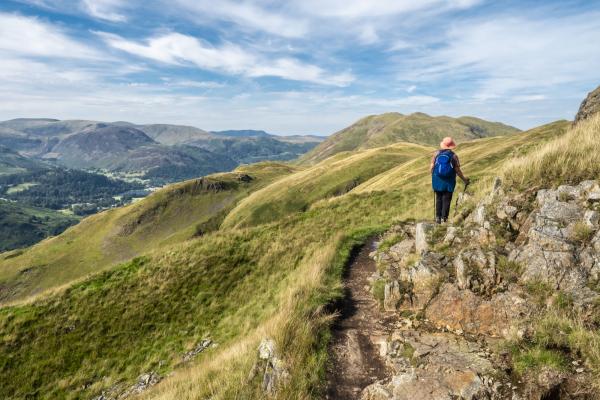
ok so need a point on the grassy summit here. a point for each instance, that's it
(256, 274)
(385, 129)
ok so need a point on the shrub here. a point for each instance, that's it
(379, 290)
(581, 233)
(510, 271)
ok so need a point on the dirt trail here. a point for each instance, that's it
(356, 362)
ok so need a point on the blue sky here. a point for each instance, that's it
(296, 66)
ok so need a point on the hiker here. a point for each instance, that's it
(444, 168)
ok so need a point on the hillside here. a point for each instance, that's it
(157, 153)
(385, 129)
(171, 215)
(234, 286)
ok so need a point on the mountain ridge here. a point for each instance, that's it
(420, 128)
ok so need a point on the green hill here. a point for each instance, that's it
(259, 273)
(171, 215)
(389, 128)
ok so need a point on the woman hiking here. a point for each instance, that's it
(444, 168)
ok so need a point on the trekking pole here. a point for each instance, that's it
(434, 206)
(464, 191)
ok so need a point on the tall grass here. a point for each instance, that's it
(572, 158)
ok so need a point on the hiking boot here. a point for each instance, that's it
(438, 221)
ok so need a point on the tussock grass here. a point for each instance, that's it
(571, 158)
(560, 333)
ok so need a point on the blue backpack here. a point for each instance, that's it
(444, 166)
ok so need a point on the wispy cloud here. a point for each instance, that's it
(109, 10)
(248, 14)
(179, 49)
(358, 9)
(33, 37)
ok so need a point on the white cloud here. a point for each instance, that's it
(105, 9)
(358, 9)
(246, 14)
(368, 35)
(31, 37)
(513, 54)
(178, 49)
(411, 88)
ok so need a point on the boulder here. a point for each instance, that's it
(451, 234)
(422, 280)
(401, 249)
(589, 106)
(436, 366)
(457, 309)
(274, 369)
(422, 231)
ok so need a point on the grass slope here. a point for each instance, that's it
(234, 285)
(173, 214)
(385, 129)
(330, 178)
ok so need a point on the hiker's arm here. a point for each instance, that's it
(458, 170)
(432, 163)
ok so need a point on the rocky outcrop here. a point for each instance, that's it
(270, 367)
(557, 250)
(462, 288)
(436, 366)
(589, 106)
(464, 311)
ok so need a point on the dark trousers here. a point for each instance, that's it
(442, 205)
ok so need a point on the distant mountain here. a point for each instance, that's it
(173, 134)
(385, 129)
(12, 162)
(161, 153)
(242, 133)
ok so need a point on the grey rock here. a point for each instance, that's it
(392, 297)
(449, 367)
(593, 197)
(589, 106)
(591, 218)
(275, 372)
(266, 349)
(203, 345)
(462, 276)
(589, 186)
(451, 234)
(568, 192)
(560, 211)
(401, 249)
(422, 231)
(545, 195)
(479, 215)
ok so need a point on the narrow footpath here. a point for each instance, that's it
(356, 362)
